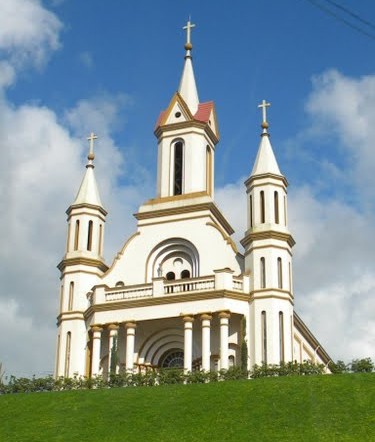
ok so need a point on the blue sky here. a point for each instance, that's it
(69, 67)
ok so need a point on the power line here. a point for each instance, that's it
(343, 20)
(351, 13)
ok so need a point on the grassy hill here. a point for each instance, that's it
(301, 408)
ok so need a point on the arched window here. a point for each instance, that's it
(231, 361)
(264, 336)
(279, 273)
(281, 336)
(262, 273)
(172, 359)
(71, 296)
(100, 245)
(185, 274)
(178, 168)
(285, 217)
(290, 278)
(89, 236)
(170, 276)
(262, 208)
(61, 297)
(67, 354)
(76, 235)
(276, 207)
(209, 170)
(251, 210)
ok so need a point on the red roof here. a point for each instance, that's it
(161, 116)
(204, 111)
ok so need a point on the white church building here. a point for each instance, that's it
(180, 292)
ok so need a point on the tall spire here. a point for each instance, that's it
(188, 88)
(265, 161)
(88, 192)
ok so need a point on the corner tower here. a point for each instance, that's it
(187, 134)
(268, 257)
(82, 266)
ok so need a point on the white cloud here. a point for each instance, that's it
(41, 168)
(342, 108)
(29, 33)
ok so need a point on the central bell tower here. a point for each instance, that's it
(187, 134)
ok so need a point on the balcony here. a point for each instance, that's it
(160, 287)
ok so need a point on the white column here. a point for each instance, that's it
(188, 343)
(224, 341)
(130, 340)
(95, 357)
(113, 333)
(206, 341)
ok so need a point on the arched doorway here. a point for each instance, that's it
(172, 359)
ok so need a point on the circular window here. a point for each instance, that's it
(177, 114)
(173, 359)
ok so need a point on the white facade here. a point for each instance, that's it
(179, 293)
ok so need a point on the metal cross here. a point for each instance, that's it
(264, 106)
(91, 139)
(188, 28)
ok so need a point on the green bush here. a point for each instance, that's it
(167, 377)
(364, 365)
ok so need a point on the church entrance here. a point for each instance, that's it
(172, 359)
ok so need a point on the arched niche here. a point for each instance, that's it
(174, 255)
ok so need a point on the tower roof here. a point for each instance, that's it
(265, 161)
(88, 192)
(188, 88)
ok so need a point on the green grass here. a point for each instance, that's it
(308, 408)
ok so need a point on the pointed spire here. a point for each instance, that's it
(88, 192)
(265, 161)
(188, 88)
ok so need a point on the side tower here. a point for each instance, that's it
(80, 269)
(268, 257)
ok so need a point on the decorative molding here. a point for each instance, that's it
(267, 234)
(184, 196)
(90, 262)
(252, 178)
(210, 206)
(168, 299)
(85, 206)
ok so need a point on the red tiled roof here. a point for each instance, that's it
(204, 111)
(159, 119)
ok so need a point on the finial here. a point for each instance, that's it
(91, 155)
(188, 45)
(264, 124)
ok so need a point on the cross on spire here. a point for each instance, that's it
(91, 155)
(264, 106)
(189, 26)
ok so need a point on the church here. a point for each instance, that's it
(180, 292)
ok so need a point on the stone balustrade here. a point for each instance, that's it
(160, 287)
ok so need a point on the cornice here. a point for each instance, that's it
(210, 206)
(160, 130)
(261, 176)
(147, 302)
(167, 199)
(86, 206)
(91, 262)
(267, 234)
(272, 293)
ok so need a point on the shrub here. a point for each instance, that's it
(364, 365)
